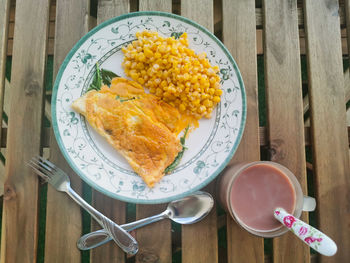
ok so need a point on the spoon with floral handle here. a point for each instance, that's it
(308, 234)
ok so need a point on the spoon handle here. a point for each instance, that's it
(308, 234)
(97, 238)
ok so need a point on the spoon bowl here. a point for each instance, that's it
(190, 209)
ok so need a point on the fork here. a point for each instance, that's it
(60, 181)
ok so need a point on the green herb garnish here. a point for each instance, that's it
(102, 76)
(107, 76)
(178, 158)
(122, 100)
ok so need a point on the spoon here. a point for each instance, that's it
(308, 234)
(187, 210)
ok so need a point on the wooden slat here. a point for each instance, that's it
(155, 5)
(328, 122)
(200, 241)
(154, 240)
(6, 105)
(11, 27)
(20, 210)
(347, 96)
(112, 208)
(52, 14)
(199, 11)
(4, 20)
(284, 108)
(347, 75)
(63, 228)
(111, 8)
(240, 38)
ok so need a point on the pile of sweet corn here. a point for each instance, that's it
(173, 72)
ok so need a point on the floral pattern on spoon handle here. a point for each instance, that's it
(308, 234)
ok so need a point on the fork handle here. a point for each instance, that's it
(100, 237)
(119, 235)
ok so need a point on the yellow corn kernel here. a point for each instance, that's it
(202, 109)
(166, 94)
(157, 55)
(141, 57)
(204, 96)
(211, 91)
(159, 92)
(140, 66)
(196, 102)
(148, 52)
(141, 81)
(134, 76)
(197, 86)
(127, 64)
(218, 92)
(182, 107)
(216, 99)
(207, 103)
(162, 49)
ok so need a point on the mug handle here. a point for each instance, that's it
(309, 204)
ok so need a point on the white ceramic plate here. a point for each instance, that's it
(210, 147)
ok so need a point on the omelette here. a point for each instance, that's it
(143, 128)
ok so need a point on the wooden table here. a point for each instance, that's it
(281, 31)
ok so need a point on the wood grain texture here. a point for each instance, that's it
(285, 108)
(239, 37)
(155, 5)
(154, 240)
(4, 20)
(328, 123)
(63, 228)
(200, 241)
(20, 208)
(110, 8)
(112, 208)
(347, 74)
(347, 96)
(199, 11)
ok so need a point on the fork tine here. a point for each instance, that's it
(44, 168)
(43, 163)
(50, 164)
(42, 159)
(36, 169)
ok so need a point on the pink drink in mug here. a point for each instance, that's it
(251, 192)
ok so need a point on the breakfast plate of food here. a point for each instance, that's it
(148, 107)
